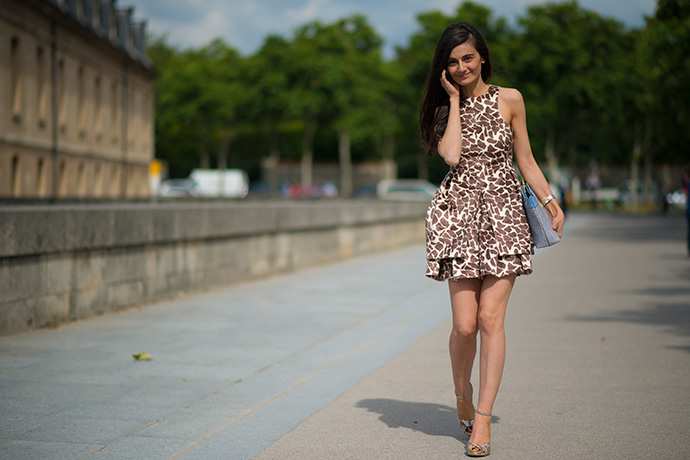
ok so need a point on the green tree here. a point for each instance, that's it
(668, 44)
(350, 53)
(334, 73)
(177, 139)
(197, 93)
(266, 100)
(563, 64)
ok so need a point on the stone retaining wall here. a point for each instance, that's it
(62, 263)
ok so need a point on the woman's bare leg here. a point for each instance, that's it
(493, 300)
(464, 300)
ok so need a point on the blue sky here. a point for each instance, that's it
(244, 23)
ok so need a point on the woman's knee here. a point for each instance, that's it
(465, 329)
(491, 320)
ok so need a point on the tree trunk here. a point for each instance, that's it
(572, 146)
(550, 152)
(388, 145)
(273, 160)
(204, 160)
(648, 163)
(222, 163)
(346, 179)
(648, 176)
(422, 165)
(308, 153)
(635, 162)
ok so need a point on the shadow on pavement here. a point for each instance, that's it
(651, 227)
(670, 308)
(666, 300)
(428, 418)
(676, 316)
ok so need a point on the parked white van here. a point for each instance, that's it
(231, 183)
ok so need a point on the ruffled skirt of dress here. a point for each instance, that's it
(477, 235)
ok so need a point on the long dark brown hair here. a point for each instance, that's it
(433, 113)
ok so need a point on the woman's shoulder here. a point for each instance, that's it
(510, 95)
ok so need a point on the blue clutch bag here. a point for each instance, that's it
(538, 218)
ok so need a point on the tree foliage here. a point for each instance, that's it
(594, 90)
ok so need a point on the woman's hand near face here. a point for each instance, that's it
(450, 145)
(450, 88)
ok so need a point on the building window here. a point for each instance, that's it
(114, 120)
(81, 103)
(146, 122)
(41, 87)
(62, 179)
(81, 179)
(62, 97)
(98, 109)
(114, 180)
(97, 181)
(112, 29)
(96, 13)
(15, 79)
(133, 120)
(42, 176)
(16, 178)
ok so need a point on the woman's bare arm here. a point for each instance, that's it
(512, 104)
(450, 145)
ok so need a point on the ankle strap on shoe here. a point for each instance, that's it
(482, 413)
(460, 398)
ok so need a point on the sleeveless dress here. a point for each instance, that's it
(475, 224)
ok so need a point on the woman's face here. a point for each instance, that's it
(465, 64)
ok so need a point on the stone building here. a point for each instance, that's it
(76, 100)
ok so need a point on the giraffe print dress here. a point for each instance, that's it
(476, 225)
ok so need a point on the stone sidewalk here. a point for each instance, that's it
(598, 363)
(349, 361)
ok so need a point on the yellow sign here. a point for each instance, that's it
(155, 168)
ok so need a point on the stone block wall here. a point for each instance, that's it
(63, 263)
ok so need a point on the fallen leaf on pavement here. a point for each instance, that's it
(143, 356)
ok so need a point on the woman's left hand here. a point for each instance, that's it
(451, 88)
(557, 217)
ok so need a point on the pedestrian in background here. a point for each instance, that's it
(477, 233)
(686, 189)
(592, 183)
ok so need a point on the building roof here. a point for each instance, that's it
(111, 24)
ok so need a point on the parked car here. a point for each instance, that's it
(262, 189)
(315, 190)
(405, 190)
(366, 191)
(179, 188)
(230, 183)
(677, 199)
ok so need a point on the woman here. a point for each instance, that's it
(477, 233)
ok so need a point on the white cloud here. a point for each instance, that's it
(244, 24)
(307, 13)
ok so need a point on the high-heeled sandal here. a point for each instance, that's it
(466, 425)
(478, 450)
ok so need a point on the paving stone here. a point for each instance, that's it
(33, 450)
(83, 430)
